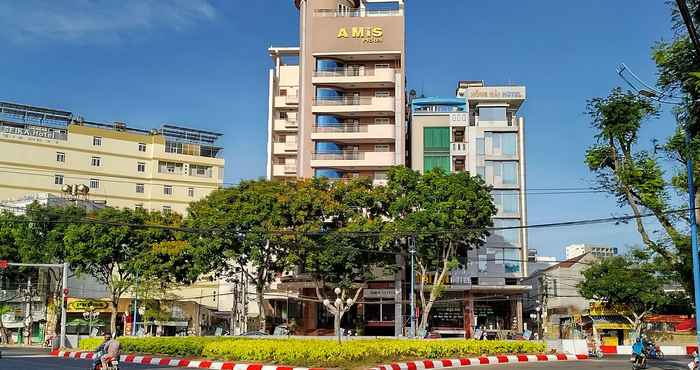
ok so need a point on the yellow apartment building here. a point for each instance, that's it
(47, 151)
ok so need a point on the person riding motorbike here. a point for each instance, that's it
(693, 365)
(639, 354)
(112, 351)
(100, 350)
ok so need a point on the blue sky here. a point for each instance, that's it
(204, 63)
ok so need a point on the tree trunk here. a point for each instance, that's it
(3, 332)
(338, 316)
(113, 319)
(434, 295)
(262, 321)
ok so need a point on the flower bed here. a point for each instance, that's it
(318, 353)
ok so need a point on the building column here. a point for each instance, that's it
(519, 314)
(468, 315)
(398, 297)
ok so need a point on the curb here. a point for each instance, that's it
(489, 360)
(177, 362)
(667, 350)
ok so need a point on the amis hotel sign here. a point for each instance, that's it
(368, 35)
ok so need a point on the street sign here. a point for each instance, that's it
(4, 264)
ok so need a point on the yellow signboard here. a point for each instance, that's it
(599, 309)
(368, 35)
(83, 305)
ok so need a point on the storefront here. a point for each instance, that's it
(378, 309)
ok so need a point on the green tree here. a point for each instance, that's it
(628, 285)
(447, 213)
(4, 310)
(37, 237)
(245, 227)
(336, 226)
(117, 245)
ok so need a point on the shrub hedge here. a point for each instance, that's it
(318, 353)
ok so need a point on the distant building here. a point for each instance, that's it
(18, 206)
(554, 291)
(598, 251)
(160, 169)
(536, 263)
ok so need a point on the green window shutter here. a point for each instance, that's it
(436, 139)
(432, 161)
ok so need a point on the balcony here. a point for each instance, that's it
(353, 159)
(366, 77)
(285, 125)
(354, 104)
(354, 132)
(284, 148)
(334, 13)
(280, 170)
(458, 149)
(508, 125)
(282, 101)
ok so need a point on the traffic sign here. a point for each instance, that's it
(4, 264)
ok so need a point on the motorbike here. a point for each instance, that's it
(655, 352)
(693, 365)
(639, 362)
(112, 364)
(595, 352)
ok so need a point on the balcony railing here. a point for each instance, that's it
(346, 72)
(339, 156)
(358, 13)
(343, 127)
(345, 100)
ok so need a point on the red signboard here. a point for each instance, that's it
(3, 264)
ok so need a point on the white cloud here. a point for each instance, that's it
(91, 20)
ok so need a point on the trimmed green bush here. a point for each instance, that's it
(318, 353)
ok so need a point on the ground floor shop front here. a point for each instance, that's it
(383, 310)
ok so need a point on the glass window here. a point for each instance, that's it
(96, 141)
(327, 147)
(382, 94)
(140, 188)
(141, 167)
(512, 260)
(167, 209)
(328, 93)
(94, 184)
(329, 65)
(508, 144)
(483, 264)
(58, 179)
(507, 201)
(328, 173)
(511, 235)
(497, 114)
(60, 157)
(138, 206)
(142, 147)
(436, 139)
(510, 173)
(439, 161)
(190, 192)
(381, 148)
(481, 171)
(480, 146)
(96, 161)
(167, 189)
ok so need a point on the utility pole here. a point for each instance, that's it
(693, 34)
(63, 305)
(412, 251)
(136, 304)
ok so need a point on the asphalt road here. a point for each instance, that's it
(31, 358)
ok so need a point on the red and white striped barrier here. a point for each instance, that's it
(667, 350)
(176, 362)
(485, 360)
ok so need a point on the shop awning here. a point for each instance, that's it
(611, 323)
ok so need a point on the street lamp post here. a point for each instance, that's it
(90, 315)
(539, 322)
(338, 308)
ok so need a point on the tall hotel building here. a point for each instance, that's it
(479, 131)
(337, 102)
(47, 150)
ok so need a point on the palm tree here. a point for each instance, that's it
(4, 309)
